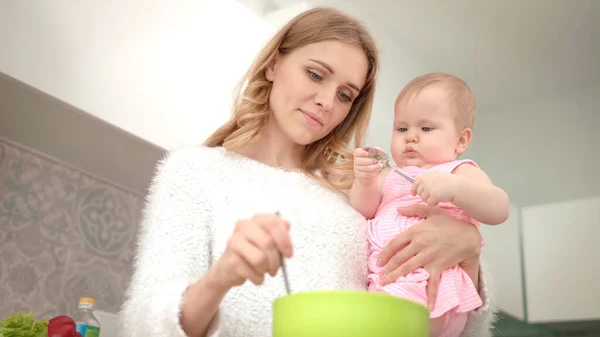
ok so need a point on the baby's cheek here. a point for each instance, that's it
(442, 153)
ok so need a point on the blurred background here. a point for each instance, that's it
(93, 93)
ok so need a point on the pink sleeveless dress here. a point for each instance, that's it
(456, 295)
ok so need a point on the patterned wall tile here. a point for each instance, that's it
(64, 234)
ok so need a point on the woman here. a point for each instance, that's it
(210, 222)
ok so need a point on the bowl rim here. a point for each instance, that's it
(345, 293)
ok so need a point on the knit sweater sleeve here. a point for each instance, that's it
(481, 321)
(173, 248)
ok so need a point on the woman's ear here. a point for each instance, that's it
(271, 67)
(464, 140)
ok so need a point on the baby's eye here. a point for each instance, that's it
(426, 128)
(402, 129)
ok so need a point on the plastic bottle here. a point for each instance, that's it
(86, 323)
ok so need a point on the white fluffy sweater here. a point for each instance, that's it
(196, 197)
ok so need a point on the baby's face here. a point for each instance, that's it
(425, 130)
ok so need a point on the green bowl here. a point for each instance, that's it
(348, 314)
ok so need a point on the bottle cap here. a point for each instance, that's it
(87, 303)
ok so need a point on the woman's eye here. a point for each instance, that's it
(345, 97)
(314, 75)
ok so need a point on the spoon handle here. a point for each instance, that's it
(285, 275)
(411, 180)
(284, 269)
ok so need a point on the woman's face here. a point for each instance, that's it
(314, 87)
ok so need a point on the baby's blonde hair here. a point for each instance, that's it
(328, 160)
(459, 93)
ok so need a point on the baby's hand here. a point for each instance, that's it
(435, 187)
(365, 168)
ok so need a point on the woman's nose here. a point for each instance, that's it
(324, 99)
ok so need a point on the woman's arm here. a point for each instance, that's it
(481, 321)
(437, 243)
(200, 303)
(173, 252)
(253, 250)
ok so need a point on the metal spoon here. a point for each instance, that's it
(384, 160)
(284, 269)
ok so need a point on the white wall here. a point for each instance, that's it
(524, 147)
(157, 70)
(280, 17)
(545, 261)
(562, 260)
(154, 69)
(502, 254)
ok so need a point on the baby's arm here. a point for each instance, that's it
(479, 197)
(366, 199)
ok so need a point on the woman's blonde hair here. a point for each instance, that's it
(328, 159)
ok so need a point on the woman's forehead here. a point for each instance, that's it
(348, 61)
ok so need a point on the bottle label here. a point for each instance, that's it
(88, 330)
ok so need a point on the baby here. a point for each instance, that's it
(433, 120)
